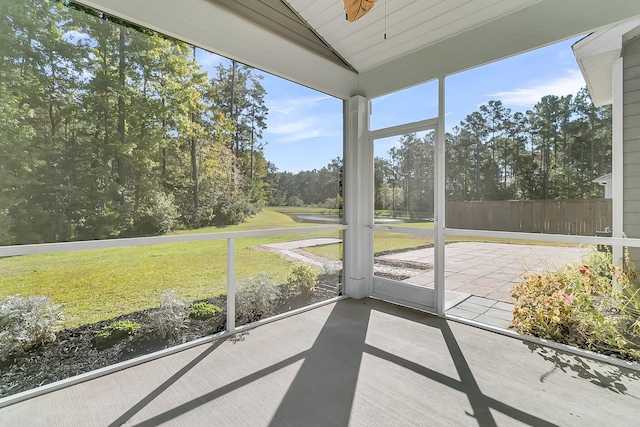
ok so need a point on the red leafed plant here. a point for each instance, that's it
(578, 305)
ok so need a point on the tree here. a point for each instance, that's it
(553, 151)
(108, 130)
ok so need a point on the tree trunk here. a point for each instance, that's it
(194, 168)
(121, 106)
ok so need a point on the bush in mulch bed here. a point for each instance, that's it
(75, 351)
(577, 305)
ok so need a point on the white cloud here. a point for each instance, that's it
(288, 106)
(297, 119)
(529, 96)
(284, 128)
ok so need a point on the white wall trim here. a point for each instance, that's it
(403, 129)
(558, 238)
(617, 166)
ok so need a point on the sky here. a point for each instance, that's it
(304, 126)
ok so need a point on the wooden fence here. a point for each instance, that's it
(578, 217)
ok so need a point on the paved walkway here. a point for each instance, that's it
(289, 251)
(487, 270)
(295, 244)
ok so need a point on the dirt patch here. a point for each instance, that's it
(400, 270)
(399, 251)
(421, 267)
(392, 276)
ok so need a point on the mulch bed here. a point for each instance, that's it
(401, 265)
(74, 351)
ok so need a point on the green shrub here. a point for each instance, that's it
(203, 310)
(171, 316)
(295, 201)
(153, 213)
(116, 331)
(577, 305)
(255, 298)
(26, 323)
(302, 277)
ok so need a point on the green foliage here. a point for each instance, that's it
(156, 213)
(305, 188)
(578, 305)
(6, 237)
(302, 277)
(255, 298)
(116, 331)
(203, 310)
(170, 317)
(295, 201)
(110, 130)
(232, 210)
(25, 323)
(552, 151)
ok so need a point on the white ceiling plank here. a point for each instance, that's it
(412, 24)
(405, 28)
(311, 8)
(398, 19)
(447, 25)
(321, 15)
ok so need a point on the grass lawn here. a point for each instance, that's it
(99, 284)
(103, 283)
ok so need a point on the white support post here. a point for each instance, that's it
(358, 199)
(439, 204)
(617, 167)
(231, 285)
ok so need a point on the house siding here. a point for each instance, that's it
(631, 137)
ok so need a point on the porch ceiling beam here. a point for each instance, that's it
(214, 28)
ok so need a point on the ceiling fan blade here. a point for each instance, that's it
(357, 8)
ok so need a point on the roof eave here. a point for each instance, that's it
(596, 54)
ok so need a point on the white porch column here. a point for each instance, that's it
(358, 199)
(439, 204)
(617, 169)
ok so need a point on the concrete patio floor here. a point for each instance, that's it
(484, 310)
(488, 270)
(355, 362)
